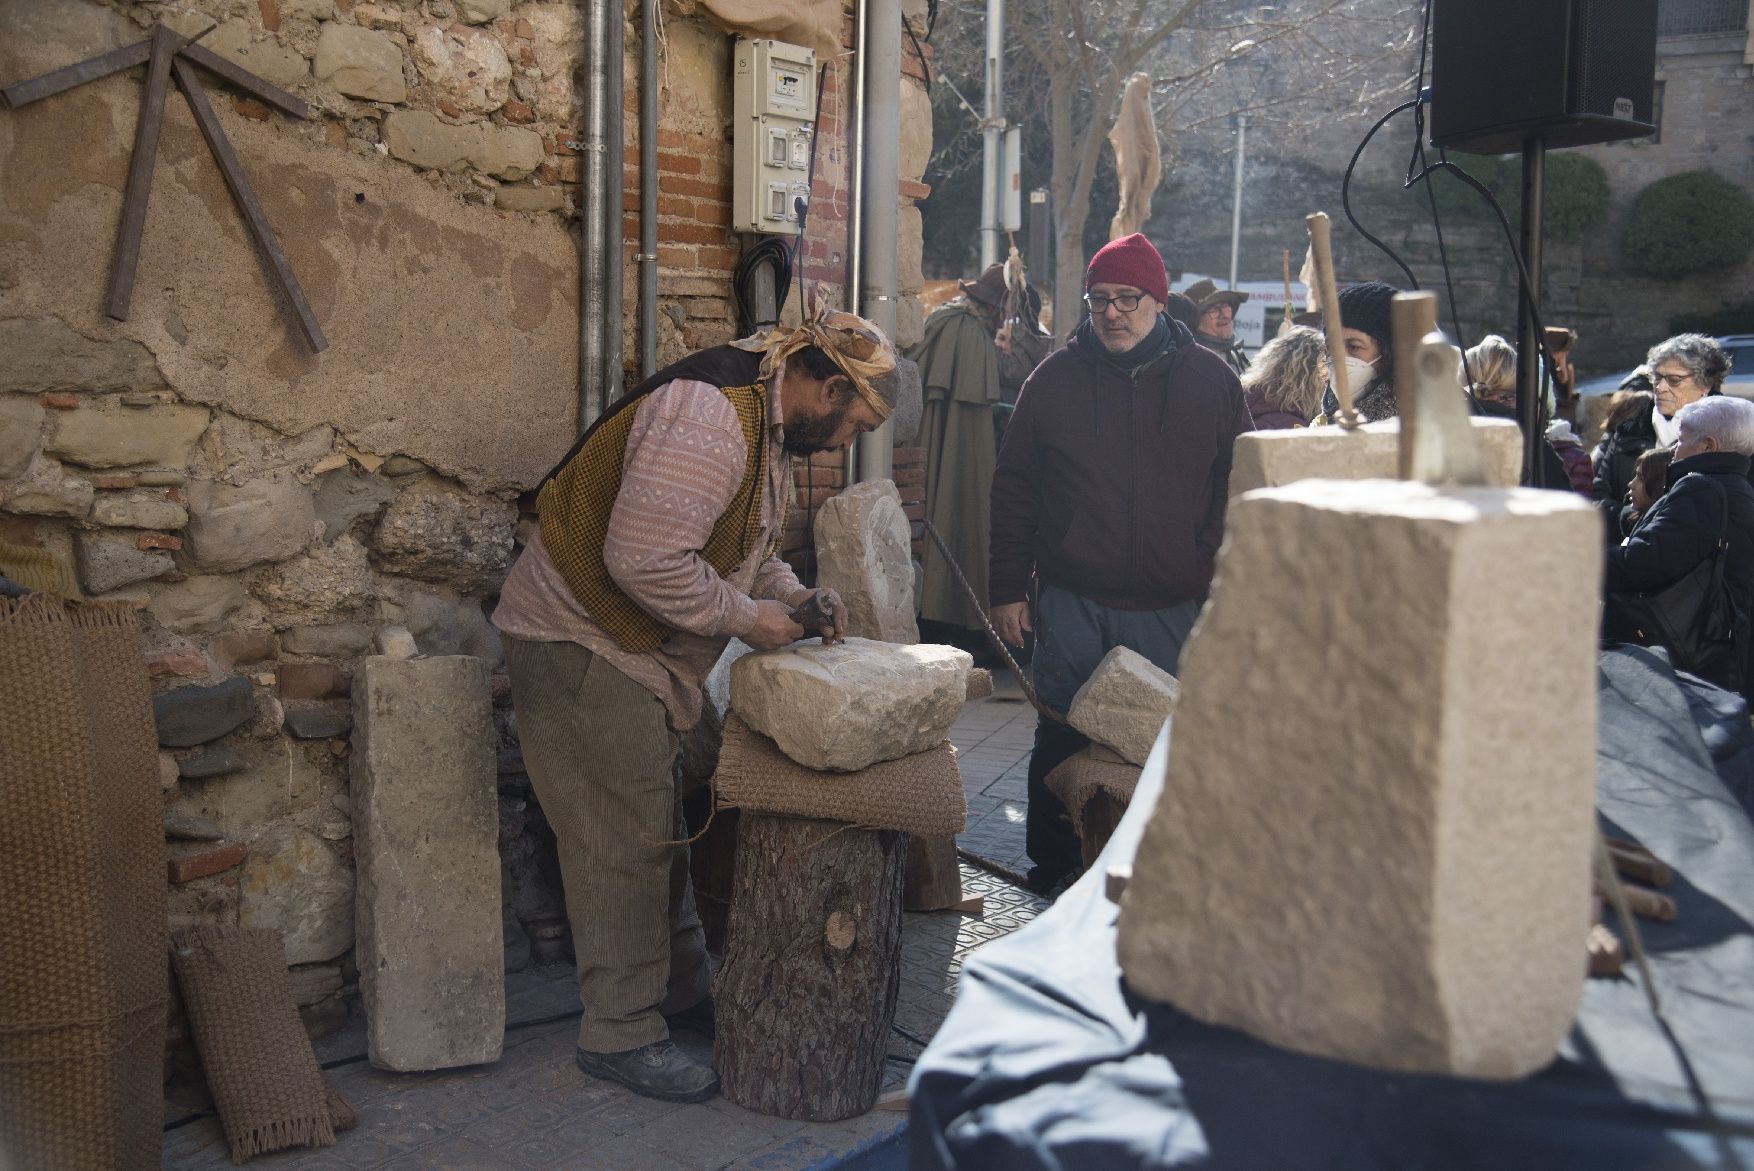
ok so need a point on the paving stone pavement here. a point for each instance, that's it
(534, 1111)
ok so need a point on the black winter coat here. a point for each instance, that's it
(1616, 460)
(1682, 527)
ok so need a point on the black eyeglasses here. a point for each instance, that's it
(1126, 302)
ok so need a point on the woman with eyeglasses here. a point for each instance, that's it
(1684, 369)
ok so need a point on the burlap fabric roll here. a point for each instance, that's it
(82, 891)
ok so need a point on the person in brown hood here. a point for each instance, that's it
(1108, 506)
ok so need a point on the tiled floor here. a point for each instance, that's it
(534, 1111)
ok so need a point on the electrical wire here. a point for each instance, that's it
(773, 252)
(1346, 191)
(925, 66)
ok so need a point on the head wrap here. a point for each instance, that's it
(853, 344)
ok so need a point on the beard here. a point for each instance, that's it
(806, 436)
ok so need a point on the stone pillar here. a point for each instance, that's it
(1374, 837)
(426, 824)
(863, 550)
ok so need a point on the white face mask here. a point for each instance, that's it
(1359, 373)
(1668, 431)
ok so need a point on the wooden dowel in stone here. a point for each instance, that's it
(1322, 252)
(1413, 315)
(806, 995)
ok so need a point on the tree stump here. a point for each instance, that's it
(806, 995)
(932, 879)
(1101, 814)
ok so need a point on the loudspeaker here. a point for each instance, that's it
(1572, 72)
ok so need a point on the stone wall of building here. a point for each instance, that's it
(276, 513)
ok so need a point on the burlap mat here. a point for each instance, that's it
(1078, 778)
(919, 794)
(260, 1069)
(82, 893)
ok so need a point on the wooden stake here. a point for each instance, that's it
(1412, 316)
(1322, 251)
(158, 75)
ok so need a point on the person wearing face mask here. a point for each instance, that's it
(1108, 506)
(1370, 353)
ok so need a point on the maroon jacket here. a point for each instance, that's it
(1113, 484)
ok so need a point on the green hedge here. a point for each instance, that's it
(1688, 223)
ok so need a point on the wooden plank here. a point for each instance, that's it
(22, 93)
(245, 80)
(248, 206)
(139, 191)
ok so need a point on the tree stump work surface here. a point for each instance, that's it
(806, 995)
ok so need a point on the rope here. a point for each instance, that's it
(1047, 713)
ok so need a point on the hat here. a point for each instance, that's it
(1131, 260)
(853, 344)
(1365, 307)
(988, 288)
(1205, 294)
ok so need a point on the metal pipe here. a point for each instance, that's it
(594, 193)
(613, 374)
(1528, 366)
(856, 183)
(992, 139)
(1236, 195)
(648, 189)
(879, 208)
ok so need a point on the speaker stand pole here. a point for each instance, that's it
(1528, 350)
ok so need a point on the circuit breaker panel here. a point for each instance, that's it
(773, 104)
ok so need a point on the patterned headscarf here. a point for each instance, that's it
(852, 343)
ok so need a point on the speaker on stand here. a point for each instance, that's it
(1529, 75)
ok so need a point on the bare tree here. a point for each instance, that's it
(1207, 58)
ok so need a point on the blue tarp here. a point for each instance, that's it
(1046, 1061)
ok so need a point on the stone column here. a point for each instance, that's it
(431, 961)
(1374, 837)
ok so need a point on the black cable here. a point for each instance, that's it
(773, 252)
(1346, 191)
(925, 66)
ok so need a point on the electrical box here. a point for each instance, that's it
(773, 107)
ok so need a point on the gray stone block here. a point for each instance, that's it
(106, 564)
(194, 715)
(426, 822)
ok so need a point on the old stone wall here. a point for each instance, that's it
(276, 513)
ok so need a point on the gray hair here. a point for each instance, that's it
(1702, 356)
(1730, 421)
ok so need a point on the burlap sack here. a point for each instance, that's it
(260, 1069)
(83, 985)
(1082, 774)
(919, 794)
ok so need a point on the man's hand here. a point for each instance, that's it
(773, 627)
(835, 629)
(1012, 622)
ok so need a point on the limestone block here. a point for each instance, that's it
(21, 426)
(44, 354)
(467, 65)
(417, 137)
(1268, 459)
(436, 533)
(138, 510)
(47, 489)
(267, 58)
(360, 62)
(338, 640)
(851, 705)
(1374, 838)
(529, 198)
(426, 824)
(916, 129)
(196, 603)
(345, 497)
(113, 436)
(1124, 703)
(235, 527)
(980, 684)
(106, 564)
(294, 883)
(396, 643)
(863, 550)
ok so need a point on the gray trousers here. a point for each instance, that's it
(1072, 634)
(603, 760)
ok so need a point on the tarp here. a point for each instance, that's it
(1045, 1060)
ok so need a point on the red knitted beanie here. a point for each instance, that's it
(1131, 260)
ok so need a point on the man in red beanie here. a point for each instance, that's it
(1108, 506)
